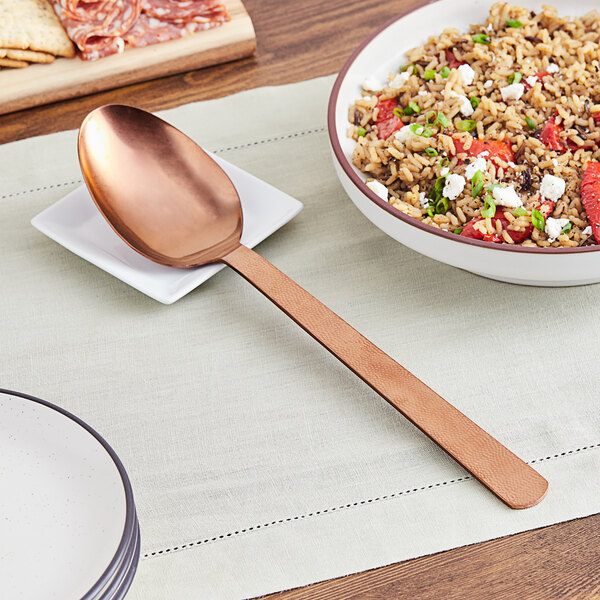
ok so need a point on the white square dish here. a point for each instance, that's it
(76, 223)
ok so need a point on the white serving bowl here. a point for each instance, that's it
(383, 52)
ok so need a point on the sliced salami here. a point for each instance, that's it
(184, 11)
(97, 28)
(150, 30)
(103, 27)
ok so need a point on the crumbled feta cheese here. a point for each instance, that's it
(555, 162)
(512, 92)
(454, 186)
(423, 200)
(552, 68)
(444, 172)
(552, 187)
(465, 104)
(378, 188)
(587, 230)
(488, 84)
(404, 135)
(531, 80)
(479, 164)
(554, 227)
(372, 85)
(423, 92)
(506, 196)
(467, 74)
(490, 27)
(400, 79)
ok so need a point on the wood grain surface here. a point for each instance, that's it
(298, 41)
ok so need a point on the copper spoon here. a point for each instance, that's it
(167, 199)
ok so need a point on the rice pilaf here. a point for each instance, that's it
(489, 134)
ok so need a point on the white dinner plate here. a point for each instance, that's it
(77, 224)
(68, 521)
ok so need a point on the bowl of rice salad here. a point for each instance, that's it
(470, 132)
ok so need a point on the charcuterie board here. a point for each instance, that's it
(71, 77)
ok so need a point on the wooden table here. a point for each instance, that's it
(304, 40)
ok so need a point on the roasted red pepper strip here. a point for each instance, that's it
(590, 196)
(596, 117)
(451, 59)
(550, 136)
(387, 122)
(516, 236)
(496, 149)
(546, 208)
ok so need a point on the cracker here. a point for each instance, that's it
(28, 55)
(33, 25)
(9, 62)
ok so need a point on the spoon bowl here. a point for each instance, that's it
(157, 188)
(173, 204)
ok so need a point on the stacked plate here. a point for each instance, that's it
(68, 525)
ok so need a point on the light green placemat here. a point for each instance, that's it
(259, 462)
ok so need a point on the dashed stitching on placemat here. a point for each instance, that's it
(218, 151)
(39, 189)
(277, 138)
(349, 505)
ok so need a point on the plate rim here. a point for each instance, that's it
(130, 512)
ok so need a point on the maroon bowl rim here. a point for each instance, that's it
(360, 184)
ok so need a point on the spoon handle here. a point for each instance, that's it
(503, 473)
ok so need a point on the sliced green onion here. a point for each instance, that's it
(519, 211)
(458, 231)
(474, 101)
(429, 75)
(421, 130)
(444, 162)
(467, 125)
(445, 73)
(435, 194)
(442, 120)
(567, 227)
(361, 132)
(398, 112)
(515, 77)
(406, 67)
(481, 38)
(477, 184)
(431, 152)
(514, 23)
(492, 187)
(442, 206)
(430, 117)
(489, 207)
(537, 218)
(412, 109)
(431, 211)
(530, 124)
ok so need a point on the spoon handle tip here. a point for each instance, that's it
(502, 472)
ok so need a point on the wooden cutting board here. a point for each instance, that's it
(70, 77)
